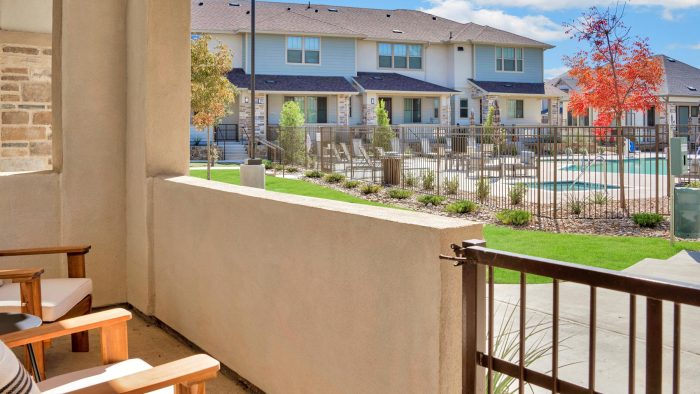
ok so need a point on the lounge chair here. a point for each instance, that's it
(425, 148)
(526, 162)
(50, 299)
(119, 374)
(366, 157)
(356, 145)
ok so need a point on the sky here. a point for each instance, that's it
(670, 25)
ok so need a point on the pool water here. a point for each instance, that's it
(644, 166)
(567, 186)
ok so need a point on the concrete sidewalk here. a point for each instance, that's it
(612, 327)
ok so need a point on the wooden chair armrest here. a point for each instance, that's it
(21, 275)
(80, 249)
(66, 327)
(193, 370)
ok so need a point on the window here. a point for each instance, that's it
(651, 116)
(573, 120)
(436, 108)
(463, 108)
(315, 109)
(411, 110)
(400, 56)
(694, 111)
(350, 107)
(303, 50)
(516, 109)
(509, 59)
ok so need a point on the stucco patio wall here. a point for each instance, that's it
(302, 295)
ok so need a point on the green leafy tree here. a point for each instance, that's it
(212, 92)
(383, 134)
(492, 133)
(291, 136)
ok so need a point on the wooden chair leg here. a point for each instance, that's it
(30, 293)
(191, 388)
(80, 341)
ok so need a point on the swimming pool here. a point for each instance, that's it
(645, 166)
(567, 186)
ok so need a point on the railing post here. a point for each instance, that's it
(654, 350)
(473, 322)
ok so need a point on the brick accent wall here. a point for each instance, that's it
(343, 110)
(25, 107)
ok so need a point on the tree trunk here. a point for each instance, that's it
(208, 153)
(621, 162)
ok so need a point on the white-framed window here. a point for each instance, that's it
(404, 56)
(516, 109)
(303, 50)
(580, 120)
(315, 109)
(411, 110)
(436, 108)
(463, 108)
(509, 59)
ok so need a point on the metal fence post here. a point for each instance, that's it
(539, 179)
(473, 325)
(555, 152)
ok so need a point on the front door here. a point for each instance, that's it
(387, 106)
(683, 118)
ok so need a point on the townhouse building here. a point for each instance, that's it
(339, 62)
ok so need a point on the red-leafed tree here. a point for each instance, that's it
(615, 74)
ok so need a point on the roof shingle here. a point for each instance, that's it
(518, 88)
(291, 83)
(397, 83)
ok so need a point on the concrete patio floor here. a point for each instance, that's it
(146, 341)
(612, 327)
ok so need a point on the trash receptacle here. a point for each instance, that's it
(687, 212)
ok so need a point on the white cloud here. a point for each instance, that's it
(667, 14)
(695, 46)
(550, 73)
(566, 4)
(538, 27)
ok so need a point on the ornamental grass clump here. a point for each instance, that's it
(517, 193)
(400, 194)
(334, 178)
(461, 206)
(370, 189)
(646, 219)
(427, 179)
(431, 199)
(451, 185)
(350, 184)
(409, 180)
(312, 173)
(514, 217)
(483, 189)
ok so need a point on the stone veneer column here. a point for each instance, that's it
(445, 110)
(243, 111)
(25, 96)
(369, 117)
(554, 118)
(343, 117)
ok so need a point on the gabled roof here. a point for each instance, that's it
(367, 23)
(680, 79)
(291, 83)
(544, 89)
(393, 82)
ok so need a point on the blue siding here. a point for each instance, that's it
(337, 57)
(486, 66)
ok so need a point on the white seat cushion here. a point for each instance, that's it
(92, 376)
(58, 296)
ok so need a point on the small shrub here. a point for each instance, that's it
(370, 189)
(599, 198)
(350, 184)
(576, 206)
(292, 169)
(312, 174)
(268, 164)
(461, 206)
(451, 185)
(409, 180)
(278, 166)
(516, 194)
(400, 194)
(693, 184)
(483, 189)
(428, 180)
(431, 199)
(334, 178)
(515, 217)
(649, 220)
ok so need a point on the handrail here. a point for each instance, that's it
(472, 254)
(269, 144)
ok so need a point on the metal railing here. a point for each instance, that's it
(275, 152)
(473, 257)
(550, 171)
(226, 132)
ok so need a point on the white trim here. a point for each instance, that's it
(299, 93)
(503, 63)
(303, 50)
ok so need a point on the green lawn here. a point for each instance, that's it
(284, 185)
(614, 253)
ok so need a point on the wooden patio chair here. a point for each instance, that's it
(50, 299)
(118, 373)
